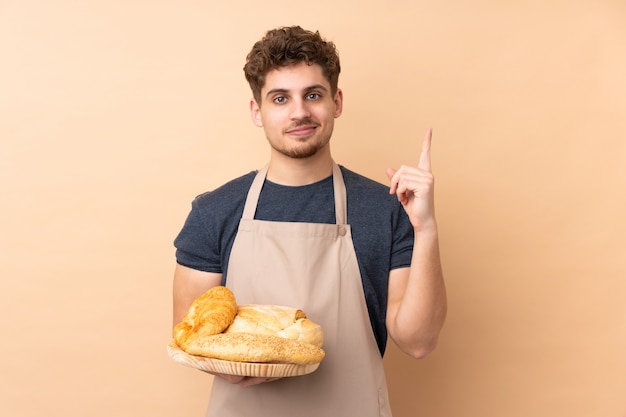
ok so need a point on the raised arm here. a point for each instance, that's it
(417, 302)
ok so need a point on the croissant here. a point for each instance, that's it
(209, 314)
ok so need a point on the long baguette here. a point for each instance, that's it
(260, 348)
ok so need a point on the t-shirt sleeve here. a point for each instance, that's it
(402, 243)
(196, 246)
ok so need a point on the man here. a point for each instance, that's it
(359, 258)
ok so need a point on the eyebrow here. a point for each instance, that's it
(284, 90)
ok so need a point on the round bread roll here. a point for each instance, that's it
(304, 330)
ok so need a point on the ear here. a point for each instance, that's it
(255, 113)
(338, 103)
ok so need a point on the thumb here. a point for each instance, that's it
(390, 172)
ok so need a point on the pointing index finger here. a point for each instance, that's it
(424, 161)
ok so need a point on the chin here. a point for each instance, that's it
(301, 152)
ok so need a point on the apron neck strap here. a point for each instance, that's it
(339, 189)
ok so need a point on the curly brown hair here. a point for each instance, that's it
(287, 46)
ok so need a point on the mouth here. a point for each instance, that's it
(304, 130)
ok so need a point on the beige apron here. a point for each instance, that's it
(313, 267)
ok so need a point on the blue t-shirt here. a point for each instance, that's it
(381, 231)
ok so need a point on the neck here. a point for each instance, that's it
(296, 172)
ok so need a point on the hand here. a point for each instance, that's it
(415, 188)
(245, 381)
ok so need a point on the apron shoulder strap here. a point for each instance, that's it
(253, 194)
(340, 196)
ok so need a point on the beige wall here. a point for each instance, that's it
(115, 114)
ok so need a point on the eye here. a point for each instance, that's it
(280, 99)
(313, 96)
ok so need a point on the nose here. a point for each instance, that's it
(300, 109)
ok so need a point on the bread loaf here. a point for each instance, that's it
(289, 323)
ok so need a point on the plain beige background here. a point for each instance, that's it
(115, 114)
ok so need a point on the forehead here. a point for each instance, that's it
(295, 78)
